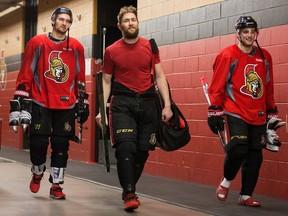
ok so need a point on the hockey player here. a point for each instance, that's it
(133, 112)
(242, 90)
(46, 96)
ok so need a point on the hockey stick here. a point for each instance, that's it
(103, 120)
(82, 96)
(223, 139)
(81, 92)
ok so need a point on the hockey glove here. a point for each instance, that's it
(215, 118)
(20, 109)
(272, 113)
(25, 114)
(82, 110)
(14, 114)
(272, 139)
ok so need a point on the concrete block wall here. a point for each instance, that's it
(82, 16)
(12, 36)
(151, 9)
(215, 18)
(9, 138)
(11, 32)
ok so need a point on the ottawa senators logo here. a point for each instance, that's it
(67, 127)
(253, 83)
(153, 139)
(58, 71)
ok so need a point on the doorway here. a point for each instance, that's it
(108, 34)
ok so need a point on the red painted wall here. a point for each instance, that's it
(9, 138)
(201, 161)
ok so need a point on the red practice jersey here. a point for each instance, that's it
(243, 84)
(130, 64)
(50, 73)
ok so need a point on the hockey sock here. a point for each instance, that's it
(244, 197)
(225, 183)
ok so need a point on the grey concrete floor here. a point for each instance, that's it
(92, 191)
(83, 198)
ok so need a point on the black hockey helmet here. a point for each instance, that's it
(62, 10)
(246, 22)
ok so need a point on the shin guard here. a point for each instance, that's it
(57, 175)
(38, 170)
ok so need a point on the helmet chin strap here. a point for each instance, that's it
(67, 40)
(239, 38)
(261, 52)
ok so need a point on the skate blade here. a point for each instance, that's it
(24, 127)
(15, 129)
(272, 148)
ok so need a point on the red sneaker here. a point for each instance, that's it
(222, 193)
(131, 202)
(56, 192)
(138, 200)
(249, 202)
(35, 183)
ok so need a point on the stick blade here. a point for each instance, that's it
(203, 80)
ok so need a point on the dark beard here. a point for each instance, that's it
(60, 31)
(129, 35)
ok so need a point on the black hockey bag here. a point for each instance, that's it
(175, 133)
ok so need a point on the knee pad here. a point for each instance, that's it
(38, 149)
(126, 150)
(239, 149)
(60, 147)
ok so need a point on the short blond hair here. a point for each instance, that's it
(124, 10)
